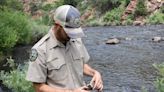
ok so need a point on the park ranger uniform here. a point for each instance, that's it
(57, 65)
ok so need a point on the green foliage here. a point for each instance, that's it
(15, 79)
(140, 8)
(49, 7)
(113, 17)
(9, 37)
(162, 9)
(95, 22)
(126, 2)
(38, 31)
(105, 5)
(156, 18)
(45, 19)
(129, 20)
(159, 83)
(1, 56)
(143, 89)
(17, 25)
(72, 2)
(11, 4)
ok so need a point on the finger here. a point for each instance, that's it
(101, 88)
(96, 84)
(92, 81)
(84, 87)
(83, 90)
(99, 85)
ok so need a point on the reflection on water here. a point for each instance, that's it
(125, 67)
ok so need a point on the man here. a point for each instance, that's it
(59, 60)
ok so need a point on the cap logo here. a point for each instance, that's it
(77, 21)
(74, 22)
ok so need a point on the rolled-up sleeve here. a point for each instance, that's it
(37, 70)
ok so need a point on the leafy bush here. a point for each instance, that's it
(159, 83)
(156, 18)
(15, 79)
(16, 23)
(105, 5)
(38, 31)
(162, 9)
(113, 17)
(95, 22)
(49, 7)
(72, 2)
(141, 9)
(12, 4)
(129, 20)
(9, 37)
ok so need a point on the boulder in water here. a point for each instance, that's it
(157, 39)
(113, 41)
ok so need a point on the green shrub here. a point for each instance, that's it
(45, 19)
(72, 2)
(38, 31)
(12, 4)
(126, 2)
(49, 7)
(1, 56)
(104, 5)
(8, 36)
(15, 79)
(113, 17)
(141, 9)
(129, 20)
(156, 18)
(162, 9)
(159, 83)
(16, 23)
(95, 22)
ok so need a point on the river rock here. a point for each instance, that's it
(128, 39)
(138, 22)
(157, 39)
(113, 41)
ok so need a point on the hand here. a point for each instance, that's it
(81, 89)
(97, 81)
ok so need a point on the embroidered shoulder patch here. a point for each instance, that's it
(33, 55)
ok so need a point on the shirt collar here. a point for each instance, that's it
(53, 41)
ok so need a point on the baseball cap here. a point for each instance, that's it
(69, 18)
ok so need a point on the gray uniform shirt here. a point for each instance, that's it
(57, 65)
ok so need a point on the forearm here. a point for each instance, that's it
(45, 88)
(88, 70)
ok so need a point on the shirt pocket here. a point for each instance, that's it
(57, 69)
(78, 63)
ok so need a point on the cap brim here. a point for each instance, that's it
(74, 32)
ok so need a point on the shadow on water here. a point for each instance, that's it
(125, 67)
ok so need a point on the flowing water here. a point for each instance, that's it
(127, 66)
